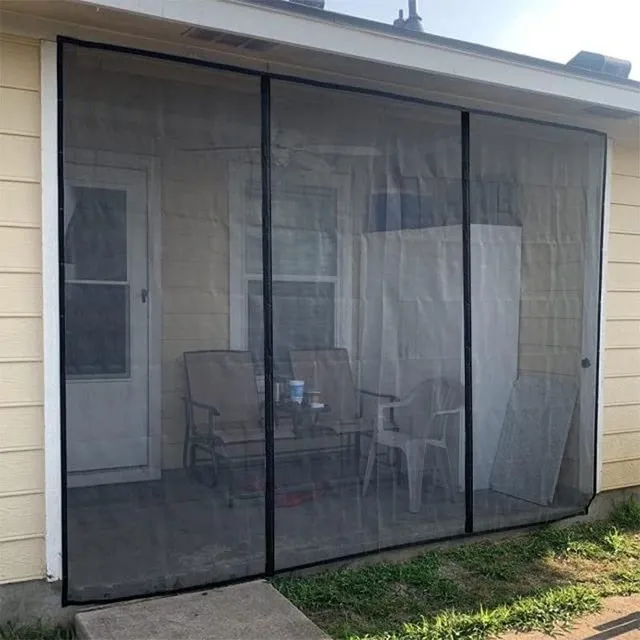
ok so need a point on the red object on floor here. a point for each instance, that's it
(292, 499)
(295, 498)
(287, 498)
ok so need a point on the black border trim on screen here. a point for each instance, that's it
(598, 364)
(168, 57)
(339, 560)
(267, 307)
(467, 321)
(265, 80)
(61, 303)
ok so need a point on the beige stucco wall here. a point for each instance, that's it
(621, 412)
(21, 386)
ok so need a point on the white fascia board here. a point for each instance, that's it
(356, 41)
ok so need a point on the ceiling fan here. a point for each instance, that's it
(288, 146)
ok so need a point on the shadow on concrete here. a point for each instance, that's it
(629, 624)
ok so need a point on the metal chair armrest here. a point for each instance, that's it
(449, 412)
(374, 394)
(398, 404)
(201, 405)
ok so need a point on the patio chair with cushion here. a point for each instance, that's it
(419, 423)
(328, 371)
(224, 416)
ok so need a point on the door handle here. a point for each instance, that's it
(144, 295)
(585, 363)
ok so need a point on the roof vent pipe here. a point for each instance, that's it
(413, 22)
(399, 21)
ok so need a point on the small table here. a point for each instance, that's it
(301, 414)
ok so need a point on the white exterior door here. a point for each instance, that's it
(106, 324)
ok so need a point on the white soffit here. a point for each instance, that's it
(356, 41)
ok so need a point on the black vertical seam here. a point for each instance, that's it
(267, 293)
(466, 294)
(61, 307)
(596, 426)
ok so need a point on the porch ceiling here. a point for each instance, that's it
(98, 21)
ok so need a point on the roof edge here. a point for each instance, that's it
(318, 30)
(434, 39)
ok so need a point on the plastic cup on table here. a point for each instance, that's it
(296, 390)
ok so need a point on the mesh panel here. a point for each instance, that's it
(536, 204)
(151, 206)
(380, 183)
(164, 323)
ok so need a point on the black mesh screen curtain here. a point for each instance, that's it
(161, 415)
(383, 218)
(536, 203)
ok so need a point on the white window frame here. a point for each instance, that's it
(240, 176)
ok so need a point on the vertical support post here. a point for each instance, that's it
(467, 317)
(265, 157)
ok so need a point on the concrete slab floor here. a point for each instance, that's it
(250, 611)
(143, 538)
(619, 619)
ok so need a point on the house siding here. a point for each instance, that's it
(195, 280)
(621, 401)
(21, 384)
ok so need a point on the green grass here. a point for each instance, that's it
(35, 632)
(539, 582)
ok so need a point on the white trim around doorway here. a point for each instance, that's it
(150, 166)
(147, 168)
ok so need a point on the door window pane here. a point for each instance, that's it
(97, 329)
(96, 235)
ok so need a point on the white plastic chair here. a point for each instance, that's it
(432, 406)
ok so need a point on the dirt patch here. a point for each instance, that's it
(453, 571)
(619, 619)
